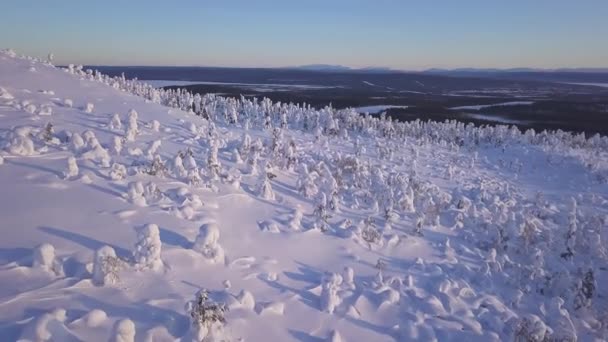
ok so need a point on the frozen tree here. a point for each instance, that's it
(295, 222)
(265, 188)
(330, 285)
(178, 166)
(148, 247)
(237, 157)
(290, 155)
(213, 164)
(89, 107)
(306, 182)
(106, 266)
(155, 125)
(115, 123)
(132, 126)
(207, 243)
(206, 317)
(44, 257)
(321, 213)
(118, 172)
(124, 331)
(72, 170)
(117, 144)
(570, 236)
(135, 193)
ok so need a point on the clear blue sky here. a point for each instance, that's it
(399, 34)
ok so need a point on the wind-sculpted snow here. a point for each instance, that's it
(130, 213)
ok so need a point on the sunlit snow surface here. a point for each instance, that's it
(493, 208)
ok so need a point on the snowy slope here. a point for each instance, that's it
(417, 231)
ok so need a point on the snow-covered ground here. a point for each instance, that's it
(376, 109)
(511, 103)
(126, 217)
(596, 84)
(494, 118)
(253, 86)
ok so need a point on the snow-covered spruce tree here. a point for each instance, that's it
(148, 247)
(44, 257)
(157, 167)
(321, 213)
(369, 233)
(115, 123)
(207, 243)
(236, 155)
(106, 266)
(207, 318)
(306, 182)
(117, 143)
(179, 170)
(89, 107)
(290, 159)
(135, 193)
(265, 188)
(213, 164)
(295, 223)
(585, 288)
(123, 331)
(132, 126)
(570, 236)
(330, 285)
(72, 170)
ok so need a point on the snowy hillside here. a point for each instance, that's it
(125, 216)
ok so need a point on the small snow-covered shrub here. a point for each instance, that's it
(44, 257)
(132, 126)
(531, 329)
(157, 167)
(68, 103)
(124, 331)
(45, 110)
(155, 125)
(246, 299)
(265, 189)
(106, 266)
(115, 123)
(117, 144)
(118, 172)
(207, 318)
(72, 170)
(296, 219)
(148, 247)
(29, 107)
(88, 108)
(98, 154)
(329, 292)
(207, 243)
(135, 193)
(76, 142)
(153, 148)
(20, 142)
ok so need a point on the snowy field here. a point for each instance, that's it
(126, 217)
(376, 109)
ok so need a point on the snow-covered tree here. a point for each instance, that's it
(148, 247)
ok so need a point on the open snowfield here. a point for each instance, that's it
(118, 205)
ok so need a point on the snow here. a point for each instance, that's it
(494, 118)
(477, 107)
(376, 109)
(595, 84)
(261, 87)
(376, 230)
